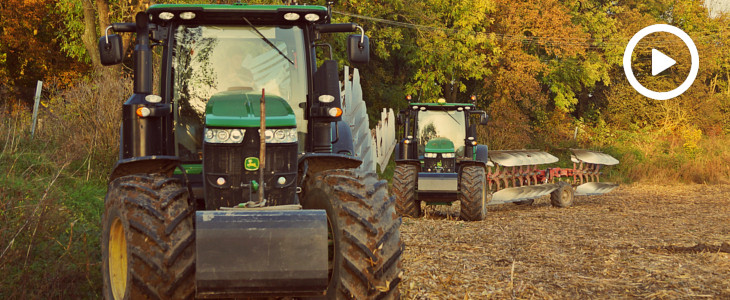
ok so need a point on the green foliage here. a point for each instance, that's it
(50, 220)
(70, 36)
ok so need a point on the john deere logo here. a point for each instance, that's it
(251, 163)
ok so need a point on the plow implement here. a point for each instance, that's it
(515, 175)
(439, 161)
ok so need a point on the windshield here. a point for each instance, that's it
(439, 123)
(212, 59)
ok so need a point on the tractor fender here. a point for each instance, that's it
(155, 164)
(414, 162)
(482, 153)
(466, 163)
(313, 163)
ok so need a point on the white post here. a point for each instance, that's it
(38, 89)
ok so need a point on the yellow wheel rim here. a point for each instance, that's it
(117, 259)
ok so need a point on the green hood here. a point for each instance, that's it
(440, 145)
(237, 109)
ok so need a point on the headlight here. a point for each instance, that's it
(291, 16)
(225, 136)
(447, 155)
(166, 15)
(311, 17)
(283, 135)
(188, 15)
(430, 155)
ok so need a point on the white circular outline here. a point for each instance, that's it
(694, 69)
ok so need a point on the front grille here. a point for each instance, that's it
(227, 161)
(438, 164)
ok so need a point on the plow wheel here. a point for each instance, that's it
(473, 193)
(365, 248)
(404, 188)
(148, 239)
(563, 196)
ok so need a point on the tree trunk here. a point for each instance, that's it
(102, 9)
(89, 38)
(135, 7)
(451, 91)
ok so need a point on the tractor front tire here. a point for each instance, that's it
(473, 193)
(404, 188)
(563, 196)
(365, 256)
(148, 249)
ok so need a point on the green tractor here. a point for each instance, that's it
(236, 177)
(439, 161)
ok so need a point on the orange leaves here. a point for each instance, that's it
(545, 25)
(30, 42)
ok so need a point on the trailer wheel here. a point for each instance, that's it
(366, 247)
(404, 190)
(563, 196)
(148, 239)
(473, 193)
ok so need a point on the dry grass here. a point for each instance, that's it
(641, 241)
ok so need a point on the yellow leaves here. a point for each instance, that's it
(691, 138)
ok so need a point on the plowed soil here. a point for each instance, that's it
(643, 241)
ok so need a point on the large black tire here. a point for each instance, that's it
(148, 239)
(366, 255)
(563, 196)
(404, 190)
(473, 193)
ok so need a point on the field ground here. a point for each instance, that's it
(642, 241)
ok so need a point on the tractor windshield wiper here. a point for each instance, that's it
(457, 121)
(267, 41)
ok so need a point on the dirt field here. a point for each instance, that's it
(641, 241)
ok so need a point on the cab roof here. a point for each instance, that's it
(442, 106)
(233, 13)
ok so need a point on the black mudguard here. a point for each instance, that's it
(155, 164)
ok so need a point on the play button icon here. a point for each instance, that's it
(660, 62)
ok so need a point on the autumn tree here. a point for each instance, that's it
(28, 49)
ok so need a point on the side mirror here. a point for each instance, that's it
(358, 48)
(110, 49)
(484, 119)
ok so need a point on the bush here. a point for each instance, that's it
(53, 190)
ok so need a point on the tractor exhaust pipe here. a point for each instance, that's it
(262, 148)
(142, 57)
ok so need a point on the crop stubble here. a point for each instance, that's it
(643, 241)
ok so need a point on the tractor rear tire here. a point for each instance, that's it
(364, 228)
(563, 196)
(404, 188)
(473, 193)
(148, 239)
